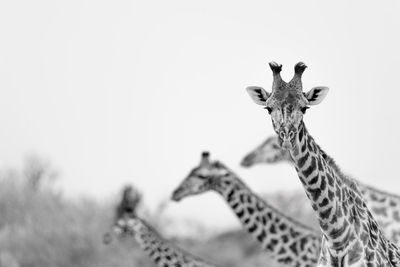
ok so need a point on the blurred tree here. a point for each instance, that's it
(7, 260)
(38, 171)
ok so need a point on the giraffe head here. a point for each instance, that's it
(287, 103)
(201, 178)
(269, 151)
(125, 220)
(131, 199)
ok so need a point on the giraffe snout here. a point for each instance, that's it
(248, 160)
(177, 195)
(286, 137)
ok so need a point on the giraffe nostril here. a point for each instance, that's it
(282, 134)
(291, 134)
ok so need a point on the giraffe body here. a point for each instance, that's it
(161, 251)
(287, 241)
(384, 206)
(351, 235)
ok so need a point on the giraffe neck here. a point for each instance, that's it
(161, 251)
(385, 207)
(349, 230)
(289, 242)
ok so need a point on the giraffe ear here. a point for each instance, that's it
(258, 94)
(218, 164)
(316, 95)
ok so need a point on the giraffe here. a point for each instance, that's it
(287, 241)
(268, 152)
(383, 205)
(351, 235)
(161, 251)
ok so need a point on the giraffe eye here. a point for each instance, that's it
(304, 109)
(268, 109)
(202, 177)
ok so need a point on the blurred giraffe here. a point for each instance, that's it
(161, 251)
(287, 241)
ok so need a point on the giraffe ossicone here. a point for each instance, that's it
(351, 235)
(287, 103)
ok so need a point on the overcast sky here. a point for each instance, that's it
(127, 91)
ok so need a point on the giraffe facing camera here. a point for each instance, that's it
(287, 103)
(125, 210)
(160, 250)
(351, 234)
(131, 199)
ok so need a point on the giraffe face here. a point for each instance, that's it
(127, 209)
(286, 117)
(287, 103)
(200, 178)
(269, 151)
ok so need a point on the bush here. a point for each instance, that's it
(41, 228)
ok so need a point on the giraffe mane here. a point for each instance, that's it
(383, 192)
(348, 180)
(352, 181)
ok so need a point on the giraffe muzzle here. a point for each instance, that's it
(286, 138)
(247, 161)
(176, 195)
(286, 144)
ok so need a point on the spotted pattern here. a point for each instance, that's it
(162, 252)
(286, 240)
(385, 207)
(351, 235)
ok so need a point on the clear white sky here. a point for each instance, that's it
(127, 91)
